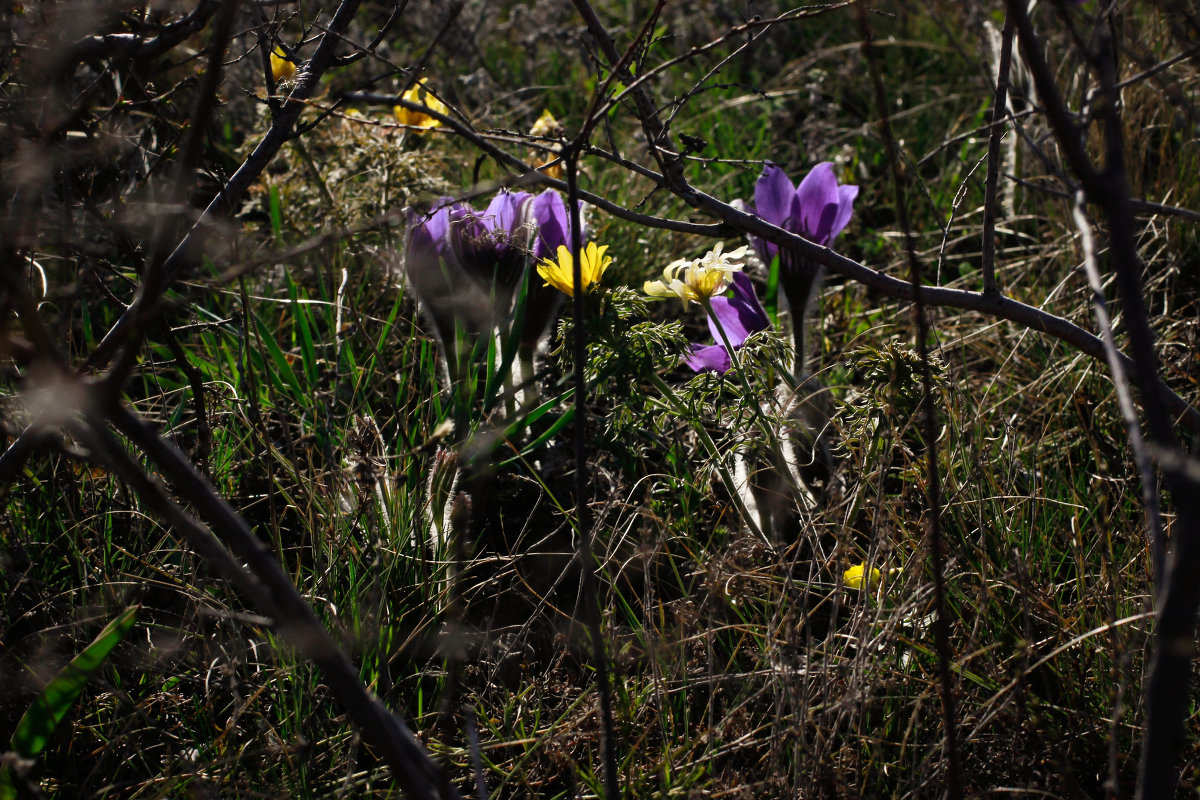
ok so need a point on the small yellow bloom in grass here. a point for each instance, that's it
(421, 95)
(551, 170)
(853, 577)
(561, 273)
(550, 128)
(547, 125)
(699, 279)
(282, 68)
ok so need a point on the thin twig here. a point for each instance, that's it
(413, 768)
(230, 194)
(999, 111)
(937, 557)
(1179, 595)
(587, 566)
(1155, 535)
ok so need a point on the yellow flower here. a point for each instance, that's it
(547, 125)
(282, 68)
(554, 171)
(699, 279)
(421, 95)
(853, 577)
(560, 274)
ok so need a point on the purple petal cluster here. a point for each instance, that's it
(489, 246)
(464, 264)
(818, 209)
(738, 317)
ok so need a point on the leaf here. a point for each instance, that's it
(300, 316)
(40, 720)
(547, 434)
(283, 372)
(772, 300)
(275, 207)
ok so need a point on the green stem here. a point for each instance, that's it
(669, 394)
(761, 418)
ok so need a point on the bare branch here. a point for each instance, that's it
(921, 336)
(231, 193)
(413, 768)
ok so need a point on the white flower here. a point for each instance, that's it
(699, 279)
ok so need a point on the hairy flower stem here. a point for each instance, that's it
(761, 418)
(714, 453)
(587, 566)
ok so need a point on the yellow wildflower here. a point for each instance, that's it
(699, 279)
(853, 578)
(282, 68)
(420, 95)
(561, 273)
(550, 170)
(547, 126)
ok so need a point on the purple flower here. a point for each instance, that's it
(553, 226)
(491, 246)
(738, 317)
(818, 209)
(454, 302)
(464, 265)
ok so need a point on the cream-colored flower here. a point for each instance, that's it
(547, 163)
(282, 68)
(561, 273)
(420, 95)
(855, 577)
(699, 279)
(547, 125)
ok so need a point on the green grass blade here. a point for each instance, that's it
(546, 435)
(771, 302)
(275, 206)
(40, 720)
(300, 316)
(283, 372)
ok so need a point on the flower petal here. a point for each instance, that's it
(773, 195)
(594, 262)
(846, 195)
(507, 210)
(469, 239)
(712, 358)
(550, 214)
(740, 315)
(438, 222)
(816, 193)
(765, 250)
(658, 289)
(561, 273)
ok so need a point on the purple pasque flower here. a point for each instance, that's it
(738, 317)
(492, 246)
(454, 302)
(463, 265)
(552, 224)
(818, 209)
